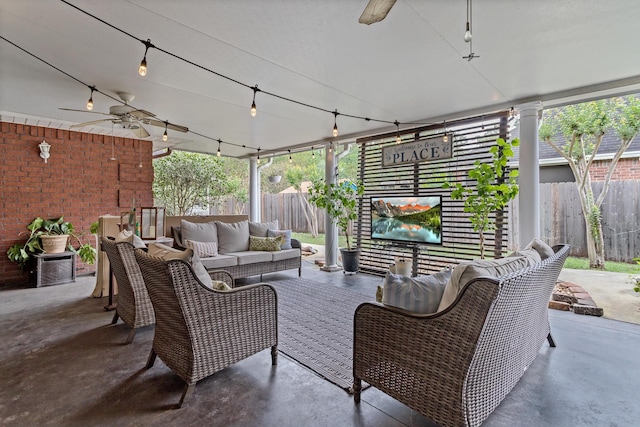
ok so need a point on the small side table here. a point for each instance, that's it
(55, 269)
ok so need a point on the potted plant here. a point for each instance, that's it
(340, 202)
(44, 234)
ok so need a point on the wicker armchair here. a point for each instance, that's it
(200, 331)
(134, 306)
(456, 366)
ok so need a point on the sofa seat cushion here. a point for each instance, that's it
(220, 261)
(420, 294)
(232, 236)
(469, 270)
(286, 254)
(252, 257)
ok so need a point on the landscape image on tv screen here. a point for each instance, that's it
(415, 219)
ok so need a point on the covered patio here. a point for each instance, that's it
(63, 364)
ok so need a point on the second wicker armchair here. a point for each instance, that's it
(200, 331)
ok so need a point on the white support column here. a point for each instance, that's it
(254, 190)
(331, 229)
(529, 180)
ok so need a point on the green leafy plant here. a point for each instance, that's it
(493, 188)
(340, 200)
(21, 253)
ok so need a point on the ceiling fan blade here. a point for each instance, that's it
(94, 122)
(171, 126)
(141, 114)
(84, 111)
(376, 11)
(141, 132)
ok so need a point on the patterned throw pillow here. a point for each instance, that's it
(269, 244)
(420, 294)
(203, 249)
(286, 234)
(219, 285)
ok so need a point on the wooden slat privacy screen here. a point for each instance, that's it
(472, 139)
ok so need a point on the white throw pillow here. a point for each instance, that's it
(128, 237)
(469, 270)
(168, 253)
(416, 294)
(541, 247)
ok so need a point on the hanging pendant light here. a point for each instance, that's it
(254, 111)
(90, 101)
(165, 136)
(335, 123)
(219, 153)
(398, 139)
(290, 159)
(142, 69)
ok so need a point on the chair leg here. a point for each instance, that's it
(115, 318)
(357, 388)
(550, 340)
(274, 355)
(132, 333)
(186, 394)
(151, 360)
(299, 271)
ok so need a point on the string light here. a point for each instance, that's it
(290, 159)
(254, 111)
(445, 137)
(142, 70)
(313, 153)
(258, 156)
(398, 139)
(90, 101)
(331, 147)
(165, 136)
(335, 124)
(140, 154)
(219, 153)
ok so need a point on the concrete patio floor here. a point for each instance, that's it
(64, 364)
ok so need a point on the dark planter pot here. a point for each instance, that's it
(350, 260)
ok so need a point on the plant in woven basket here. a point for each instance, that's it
(40, 230)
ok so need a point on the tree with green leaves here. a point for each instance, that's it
(492, 191)
(575, 132)
(184, 180)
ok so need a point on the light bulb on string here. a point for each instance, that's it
(254, 111)
(331, 147)
(313, 153)
(142, 69)
(335, 124)
(219, 153)
(90, 101)
(290, 159)
(398, 139)
(165, 135)
(445, 137)
(467, 34)
(258, 161)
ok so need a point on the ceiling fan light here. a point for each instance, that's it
(467, 34)
(376, 11)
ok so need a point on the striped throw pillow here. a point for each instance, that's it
(203, 249)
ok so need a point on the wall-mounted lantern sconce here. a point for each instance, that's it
(44, 150)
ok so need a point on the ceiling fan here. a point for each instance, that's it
(376, 11)
(127, 117)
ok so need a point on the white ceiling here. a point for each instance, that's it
(408, 67)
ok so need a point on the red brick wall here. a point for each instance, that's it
(626, 169)
(79, 181)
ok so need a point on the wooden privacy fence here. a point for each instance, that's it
(561, 219)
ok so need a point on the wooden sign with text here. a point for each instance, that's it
(418, 151)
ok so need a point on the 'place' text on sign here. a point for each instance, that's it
(418, 151)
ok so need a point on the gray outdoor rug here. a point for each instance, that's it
(315, 327)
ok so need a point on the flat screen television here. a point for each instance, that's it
(412, 219)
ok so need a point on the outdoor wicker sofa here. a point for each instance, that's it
(200, 331)
(243, 262)
(457, 365)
